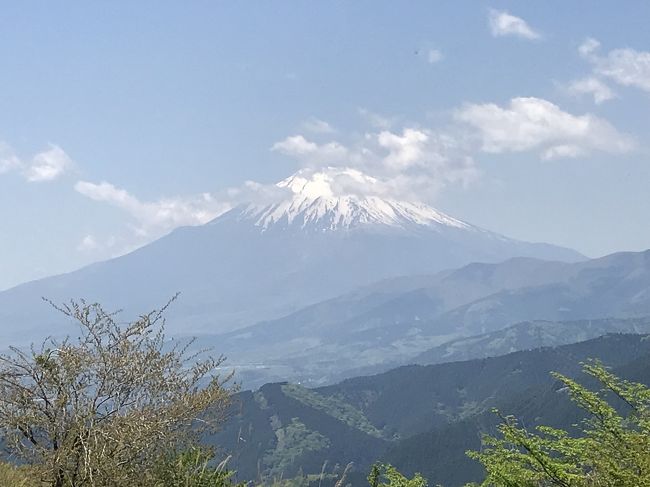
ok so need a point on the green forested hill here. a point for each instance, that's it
(439, 454)
(275, 433)
(282, 429)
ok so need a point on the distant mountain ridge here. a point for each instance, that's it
(527, 335)
(530, 335)
(391, 322)
(318, 238)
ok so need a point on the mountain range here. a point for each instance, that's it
(391, 322)
(317, 237)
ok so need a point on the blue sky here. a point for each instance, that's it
(121, 120)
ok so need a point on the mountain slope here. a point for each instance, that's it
(391, 322)
(316, 239)
(439, 454)
(382, 412)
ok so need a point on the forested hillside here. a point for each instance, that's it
(284, 429)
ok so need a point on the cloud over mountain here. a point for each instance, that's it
(153, 218)
(411, 163)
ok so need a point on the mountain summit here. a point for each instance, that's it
(324, 233)
(334, 199)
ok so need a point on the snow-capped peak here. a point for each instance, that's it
(335, 198)
(328, 183)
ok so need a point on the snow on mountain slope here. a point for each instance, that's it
(316, 201)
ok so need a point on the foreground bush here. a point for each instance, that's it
(191, 468)
(382, 475)
(614, 449)
(105, 408)
(12, 476)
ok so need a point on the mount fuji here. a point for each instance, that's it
(322, 235)
(312, 204)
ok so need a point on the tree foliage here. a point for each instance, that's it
(613, 449)
(191, 468)
(104, 408)
(17, 476)
(382, 475)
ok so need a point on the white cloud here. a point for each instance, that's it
(504, 24)
(563, 151)
(434, 56)
(418, 163)
(536, 124)
(414, 163)
(149, 220)
(375, 119)
(48, 165)
(295, 145)
(154, 218)
(592, 86)
(8, 159)
(107, 192)
(403, 150)
(627, 67)
(106, 247)
(317, 126)
(299, 147)
(88, 244)
(588, 47)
